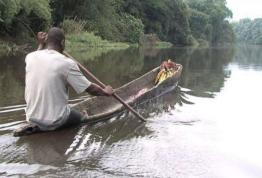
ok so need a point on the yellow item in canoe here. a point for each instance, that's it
(163, 75)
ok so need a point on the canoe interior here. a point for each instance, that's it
(102, 106)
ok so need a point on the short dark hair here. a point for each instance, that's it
(55, 36)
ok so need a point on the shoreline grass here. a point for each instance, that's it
(163, 44)
(86, 40)
(82, 42)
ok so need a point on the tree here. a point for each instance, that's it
(25, 14)
(208, 20)
(176, 21)
(167, 18)
(249, 31)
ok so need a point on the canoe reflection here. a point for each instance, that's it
(88, 142)
(56, 148)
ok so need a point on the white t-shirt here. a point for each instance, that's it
(48, 75)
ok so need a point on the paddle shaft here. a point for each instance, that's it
(103, 86)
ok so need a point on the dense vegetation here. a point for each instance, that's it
(249, 31)
(19, 16)
(182, 22)
(208, 21)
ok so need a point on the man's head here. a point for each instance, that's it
(56, 39)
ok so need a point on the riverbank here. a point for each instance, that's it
(74, 42)
(88, 43)
(89, 40)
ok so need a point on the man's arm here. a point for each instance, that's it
(96, 90)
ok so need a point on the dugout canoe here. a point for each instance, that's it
(102, 108)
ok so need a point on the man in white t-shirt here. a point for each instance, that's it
(48, 75)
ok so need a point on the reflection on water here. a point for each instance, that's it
(11, 80)
(209, 126)
(202, 69)
(249, 56)
(117, 67)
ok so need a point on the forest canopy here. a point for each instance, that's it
(181, 22)
(18, 16)
(249, 31)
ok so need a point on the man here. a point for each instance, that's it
(48, 75)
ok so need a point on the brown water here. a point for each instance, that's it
(210, 126)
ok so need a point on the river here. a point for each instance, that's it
(210, 126)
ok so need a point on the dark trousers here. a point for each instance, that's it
(74, 118)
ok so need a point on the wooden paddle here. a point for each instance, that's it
(103, 86)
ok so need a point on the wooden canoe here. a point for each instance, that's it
(101, 108)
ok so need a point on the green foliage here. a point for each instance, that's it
(73, 26)
(130, 28)
(167, 18)
(7, 48)
(25, 14)
(8, 10)
(38, 13)
(199, 24)
(104, 18)
(153, 41)
(86, 40)
(91, 46)
(249, 31)
(208, 21)
(163, 44)
(181, 22)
